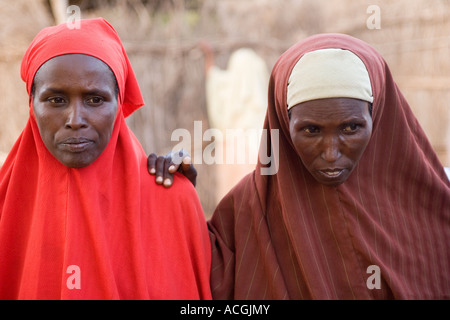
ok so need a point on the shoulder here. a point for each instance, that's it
(242, 189)
(179, 199)
(181, 187)
(239, 199)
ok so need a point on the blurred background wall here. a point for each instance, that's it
(162, 38)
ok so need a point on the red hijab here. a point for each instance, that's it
(106, 231)
(285, 236)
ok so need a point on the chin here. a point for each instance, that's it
(76, 163)
(334, 184)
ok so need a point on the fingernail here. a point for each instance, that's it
(159, 180)
(152, 171)
(167, 183)
(187, 160)
(171, 168)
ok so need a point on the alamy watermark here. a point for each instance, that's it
(374, 280)
(73, 17)
(234, 146)
(374, 20)
(74, 280)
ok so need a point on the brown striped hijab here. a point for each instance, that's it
(382, 234)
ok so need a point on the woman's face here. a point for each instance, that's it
(330, 135)
(75, 104)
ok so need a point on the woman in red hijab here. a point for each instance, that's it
(80, 217)
(356, 204)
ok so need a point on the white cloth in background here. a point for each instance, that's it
(237, 100)
(237, 96)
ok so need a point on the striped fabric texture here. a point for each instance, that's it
(382, 234)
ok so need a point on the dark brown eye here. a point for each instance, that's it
(351, 127)
(56, 100)
(95, 100)
(311, 129)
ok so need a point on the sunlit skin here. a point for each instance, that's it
(75, 104)
(330, 136)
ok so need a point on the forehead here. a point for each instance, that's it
(323, 109)
(70, 69)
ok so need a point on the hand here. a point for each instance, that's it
(163, 167)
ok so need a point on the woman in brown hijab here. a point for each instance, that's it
(359, 206)
(355, 203)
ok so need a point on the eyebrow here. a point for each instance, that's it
(52, 90)
(301, 122)
(94, 91)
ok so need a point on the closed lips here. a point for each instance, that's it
(75, 141)
(76, 144)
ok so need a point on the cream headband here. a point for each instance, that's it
(328, 73)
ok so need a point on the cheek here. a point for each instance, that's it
(105, 124)
(305, 149)
(48, 125)
(307, 156)
(356, 149)
(362, 142)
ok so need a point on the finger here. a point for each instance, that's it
(159, 170)
(151, 160)
(186, 163)
(177, 158)
(168, 177)
(173, 168)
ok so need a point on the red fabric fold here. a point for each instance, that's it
(94, 37)
(105, 231)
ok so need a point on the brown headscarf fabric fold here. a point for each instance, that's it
(285, 236)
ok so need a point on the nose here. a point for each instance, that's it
(76, 116)
(331, 149)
